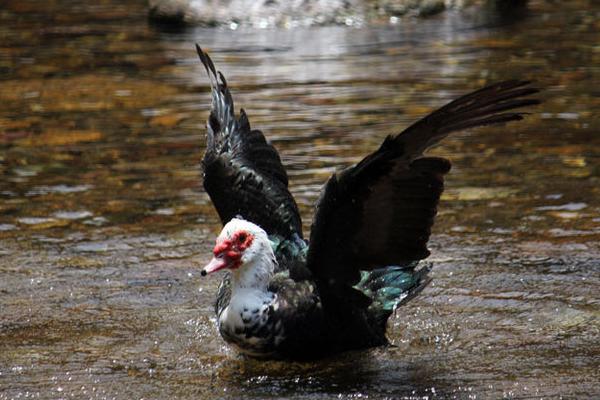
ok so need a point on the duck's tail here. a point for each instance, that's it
(392, 286)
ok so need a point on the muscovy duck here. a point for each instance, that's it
(284, 297)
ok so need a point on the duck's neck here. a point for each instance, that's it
(241, 322)
(255, 274)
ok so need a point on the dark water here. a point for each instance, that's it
(104, 224)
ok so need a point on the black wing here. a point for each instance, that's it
(243, 174)
(380, 211)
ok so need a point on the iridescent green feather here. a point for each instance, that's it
(391, 286)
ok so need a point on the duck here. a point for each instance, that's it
(285, 297)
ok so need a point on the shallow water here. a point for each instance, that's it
(104, 224)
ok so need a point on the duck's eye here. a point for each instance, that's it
(242, 237)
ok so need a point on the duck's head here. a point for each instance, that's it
(240, 243)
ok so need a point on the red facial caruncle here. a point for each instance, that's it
(228, 252)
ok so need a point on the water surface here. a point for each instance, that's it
(104, 224)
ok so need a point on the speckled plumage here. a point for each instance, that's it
(287, 322)
(286, 297)
(282, 326)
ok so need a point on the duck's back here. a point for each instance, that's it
(314, 326)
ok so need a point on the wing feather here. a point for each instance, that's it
(243, 173)
(380, 211)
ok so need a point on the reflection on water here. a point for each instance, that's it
(103, 221)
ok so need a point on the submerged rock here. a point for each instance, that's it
(290, 13)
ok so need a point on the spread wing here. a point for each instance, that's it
(243, 174)
(380, 211)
